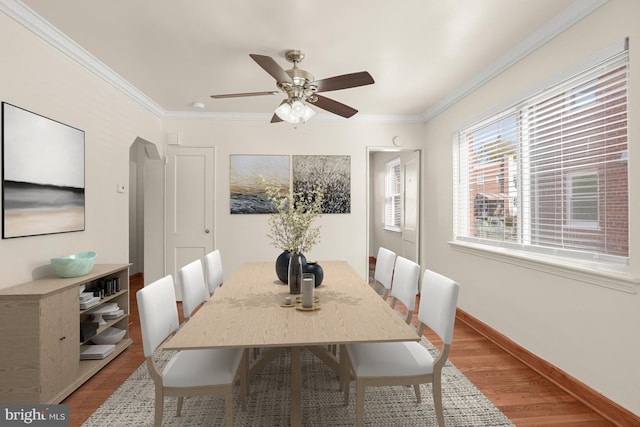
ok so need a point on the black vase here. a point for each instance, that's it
(316, 269)
(282, 266)
(295, 273)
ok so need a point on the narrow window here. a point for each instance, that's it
(393, 195)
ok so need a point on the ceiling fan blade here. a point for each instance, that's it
(271, 67)
(239, 95)
(344, 81)
(275, 118)
(334, 107)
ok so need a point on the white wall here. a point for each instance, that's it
(243, 238)
(588, 331)
(37, 77)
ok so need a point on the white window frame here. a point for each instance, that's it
(601, 270)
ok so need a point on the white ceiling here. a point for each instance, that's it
(421, 53)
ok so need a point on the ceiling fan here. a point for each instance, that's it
(301, 88)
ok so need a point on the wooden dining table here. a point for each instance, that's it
(247, 312)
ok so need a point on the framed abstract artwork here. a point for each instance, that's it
(247, 177)
(330, 174)
(43, 175)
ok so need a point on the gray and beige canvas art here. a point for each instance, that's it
(43, 175)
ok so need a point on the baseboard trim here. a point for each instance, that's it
(607, 408)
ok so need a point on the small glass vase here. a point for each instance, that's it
(295, 273)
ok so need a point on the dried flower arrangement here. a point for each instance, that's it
(291, 226)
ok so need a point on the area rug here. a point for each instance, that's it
(322, 404)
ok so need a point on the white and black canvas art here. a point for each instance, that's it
(329, 174)
(43, 184)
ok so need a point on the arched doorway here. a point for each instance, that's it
(140, 152)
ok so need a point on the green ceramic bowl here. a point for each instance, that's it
(74, 265)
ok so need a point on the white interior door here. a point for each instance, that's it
(410, 215)
(189, 207)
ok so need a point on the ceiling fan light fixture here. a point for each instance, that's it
(284, 111)
(294, 112)
(297, 109)
(308, 113)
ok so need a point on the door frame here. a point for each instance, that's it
(373, 149)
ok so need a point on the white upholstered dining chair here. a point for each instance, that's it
(383, 273)
(213, 268)
(408, 363)
(189, 372)
(406, 277)
(192, 287)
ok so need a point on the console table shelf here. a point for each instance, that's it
(40, 335)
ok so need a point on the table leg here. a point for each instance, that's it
(326, 356)
(266, 356)
(296, 387)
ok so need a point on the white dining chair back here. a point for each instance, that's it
(406, 277)
(213, 269)
(192, 286)
(156, 326)
(189, 372)
(407, 363)
(383, 273)
(438, 303)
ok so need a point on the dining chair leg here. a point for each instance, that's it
(416, 388)
(244, 378)
(437, 400)
(228, 400)
(340, 370)
(179, 406)
(157, 417)
(359, 405)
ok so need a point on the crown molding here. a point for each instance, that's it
(577, 11)
(24, 15)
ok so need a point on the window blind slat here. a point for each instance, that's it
(550, 174)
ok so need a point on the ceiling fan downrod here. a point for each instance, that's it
(302, 88)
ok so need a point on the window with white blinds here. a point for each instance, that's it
(550, 174)
(393, 195)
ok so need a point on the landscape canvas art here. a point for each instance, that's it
(329, 174)
(43, 175)
(248, 175)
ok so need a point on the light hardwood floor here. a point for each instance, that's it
(520, 393)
